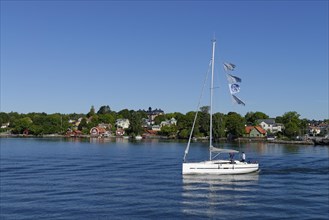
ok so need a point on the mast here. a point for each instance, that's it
(211, 94)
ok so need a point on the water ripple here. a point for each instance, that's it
(65, 180)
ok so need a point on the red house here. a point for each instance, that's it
(255, 131)
(97, 131)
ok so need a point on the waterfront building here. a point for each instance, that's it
(255, 131)
(122, 123)
(270, 125)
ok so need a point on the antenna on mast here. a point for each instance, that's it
(214, 38)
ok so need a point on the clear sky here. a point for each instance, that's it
(65, 56)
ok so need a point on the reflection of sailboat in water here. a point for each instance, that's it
(217, 166)
(206, 195)
(220, 181)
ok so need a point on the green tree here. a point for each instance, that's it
(91, 112)
(74, 116)
(22, 124)
(54, 124)
(292, 124)
(65, 125)
(196, 131)
(125, 113)
(46, 124)
(36, 129)
(83, 124)
(4, 118)
(94, 122)
(135, 120)
(104, 109)
(303, 127)
(279, 119)
(291, 130)
(184, 134)
(169, 130)
(252, 117)
(107, 118)
(235, 124)
(170, 115)
(205, 109)
(184, 121)
(219, 122)
(203, 122)
(291, 116)
(158, 119)
(13, 116)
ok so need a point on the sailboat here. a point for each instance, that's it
(214, 165)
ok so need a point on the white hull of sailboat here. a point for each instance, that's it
(219, 167)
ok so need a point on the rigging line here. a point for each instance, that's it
(197, 111)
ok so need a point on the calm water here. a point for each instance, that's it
(67, 179)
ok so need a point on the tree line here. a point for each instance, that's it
(224, 125)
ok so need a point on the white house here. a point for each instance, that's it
(5, 125)
(170, 122)
(122, 123)
(156, 128)
(75, 122)
(314, 130)
(270, 125)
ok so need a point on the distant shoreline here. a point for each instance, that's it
(242, 140)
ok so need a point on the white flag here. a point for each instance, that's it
(229, 66)
(233, 79)
(234, 88)
(237, 100)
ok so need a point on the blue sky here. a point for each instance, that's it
(65, 56)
